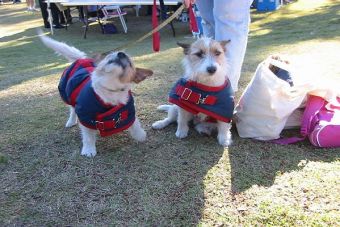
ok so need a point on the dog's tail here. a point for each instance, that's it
(70, 53)
(172, 116)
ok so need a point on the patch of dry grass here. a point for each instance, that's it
(165, 181)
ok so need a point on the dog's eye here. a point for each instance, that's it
(200, 54)
(218, 53)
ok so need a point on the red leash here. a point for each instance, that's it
(156, 38)
(192, 18)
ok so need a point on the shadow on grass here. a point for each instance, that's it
(158, 183)
(127, 183)
(258, 162)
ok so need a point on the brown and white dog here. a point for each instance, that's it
(203, 93)
(111, 78)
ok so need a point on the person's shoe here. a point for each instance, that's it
(58, 26)
(69, 21)
(47, 26)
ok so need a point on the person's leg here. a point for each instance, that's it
(232, 18)
(44, 13)
(205, 8)
(81, 13)
(68, 16)
(33, 5)
(28, 3)
(62, 18)
(55, 15)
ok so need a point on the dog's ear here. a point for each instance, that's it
(185, 47)
(141, 74)
(224, 43)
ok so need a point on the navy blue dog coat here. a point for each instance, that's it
(215, 102)
(75, 89)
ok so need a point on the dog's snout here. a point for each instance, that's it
(211, 69)
(121, 55)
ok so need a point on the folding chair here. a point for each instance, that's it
(113, 11)
(90, 15)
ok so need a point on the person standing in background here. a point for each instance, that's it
(55, 14)
(31, 5)
(227, 20)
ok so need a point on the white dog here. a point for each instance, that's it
(204, 92)
(98, 92)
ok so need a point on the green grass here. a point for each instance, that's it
(3, 159)
(165, 181)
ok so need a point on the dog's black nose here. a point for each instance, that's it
(211, 69)
(121, 55)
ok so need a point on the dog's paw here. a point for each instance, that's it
(88, 152)
(158, 125)
(70, 123)
(181, 134)
(140, 136)
(224, 140)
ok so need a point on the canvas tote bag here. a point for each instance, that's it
(269, 100)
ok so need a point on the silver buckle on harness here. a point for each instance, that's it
(184, 92)
(100, 125)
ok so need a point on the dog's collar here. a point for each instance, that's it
(205, 87)
(113, 90)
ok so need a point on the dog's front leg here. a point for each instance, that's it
(137, 132)
(89, 141)
(72, 120)
(183, 123)
(224, 134)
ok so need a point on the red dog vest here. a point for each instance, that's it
(215, 102)
(75, 88)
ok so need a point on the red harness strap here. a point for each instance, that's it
(109, 124)
(102, 124)
(75, 93)
(194, 97)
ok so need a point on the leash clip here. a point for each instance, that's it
(202, 100)
(118, 120)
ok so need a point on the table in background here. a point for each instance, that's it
(83, 3)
